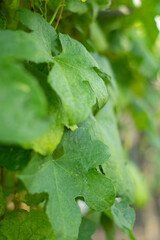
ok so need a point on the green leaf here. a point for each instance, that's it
(47, 142)
(104, 128)
(35, 199)
(2, 202)
(13, 157)
(75, 81)
(22, 47)
(24, 107)
(23, 225)
(106, 68)
(36, 46)
(86, 230)
(124, 217)
(43, 33)
(68, 177)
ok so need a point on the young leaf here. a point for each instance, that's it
(24, 107)
(23, 225)
(86, 230)
(75, 81)
(68, 177)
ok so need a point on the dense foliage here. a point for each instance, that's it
(79, 106)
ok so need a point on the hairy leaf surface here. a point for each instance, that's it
(68, 177)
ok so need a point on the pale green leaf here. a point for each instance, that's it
(23, 225)
(23, 46)
(75, 81)
(24, 108)
(36, 46)
(47, 142)
(68, 177)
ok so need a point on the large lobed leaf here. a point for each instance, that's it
(68, 177)
(74, 79)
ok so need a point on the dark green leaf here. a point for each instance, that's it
(14, 158)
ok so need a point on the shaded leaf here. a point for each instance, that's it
(13, 157)
(86, 230)
(104, 127)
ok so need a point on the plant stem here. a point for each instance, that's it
(60, 14)
(55, 13)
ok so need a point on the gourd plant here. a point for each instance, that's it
(59, 105)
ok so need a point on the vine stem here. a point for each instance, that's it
(55, 13)
(60, 14)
